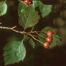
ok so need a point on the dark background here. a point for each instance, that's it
(41, 56)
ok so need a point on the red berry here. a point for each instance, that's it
(49, 39)
(46, 45)
(27, 2)
(49, 33)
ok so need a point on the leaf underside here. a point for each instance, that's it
(45, 9)
(28, 17)
(14, 52)
(3, 8)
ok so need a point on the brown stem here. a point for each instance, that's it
(21, 32)
(30, 35)
(12, 29)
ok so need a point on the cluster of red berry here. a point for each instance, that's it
(27, 2)
(48, 39)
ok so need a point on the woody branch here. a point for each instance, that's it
(30, 34)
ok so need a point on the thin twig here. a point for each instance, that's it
(40, 35)
(37, 32)
(12, 29)
(35, 38)
(21, 32)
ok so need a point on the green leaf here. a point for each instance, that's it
(32, 43)
(42, 37)
(47, 28)
(45, 10)
(21, 7)
(14, 51)
(35, 3)
(28, 17)
(56, 41)
(3, 8)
